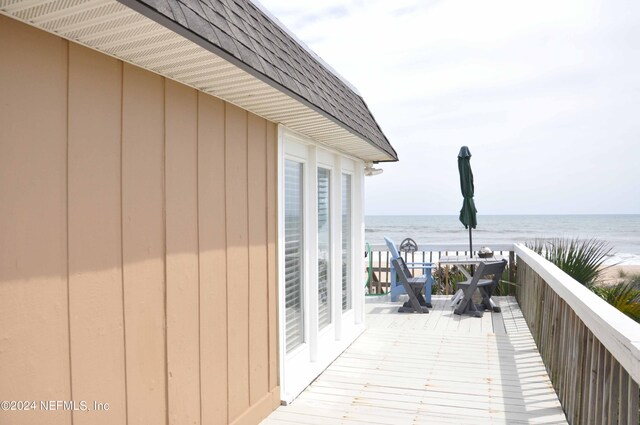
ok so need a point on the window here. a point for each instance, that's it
(293, 261)
(346, 242)
(324, 248)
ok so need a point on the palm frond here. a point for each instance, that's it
(582, 259)
(624, 296)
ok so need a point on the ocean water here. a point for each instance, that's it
(622, 232)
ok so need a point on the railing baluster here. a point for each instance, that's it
(632, 403)
(614, 385)
(379, 272)
(585, 401)
(512, 266)
(387, 269)
(624, 401)
(583, 361)
(604, 385)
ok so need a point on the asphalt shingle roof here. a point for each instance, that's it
(243, 31)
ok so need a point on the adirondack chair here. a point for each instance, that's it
(463, 303)
(413, 286)
(397, 288)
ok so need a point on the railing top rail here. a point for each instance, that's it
(438, 247)
(617, 332)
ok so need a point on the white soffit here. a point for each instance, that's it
(114, 29)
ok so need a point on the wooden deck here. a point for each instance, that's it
(435, 368)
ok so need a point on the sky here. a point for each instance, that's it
(546, 95)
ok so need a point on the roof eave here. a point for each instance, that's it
(174, 26)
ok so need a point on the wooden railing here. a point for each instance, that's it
(590, 349)
(381, 277)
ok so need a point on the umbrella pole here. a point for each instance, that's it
(470, 244)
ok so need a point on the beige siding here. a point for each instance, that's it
(34, 313)
(95, 244)
(258, 301)
(137, 242)
(272, 237)
(143, 245)
(237, 259)
(213, 260)
(183, 318)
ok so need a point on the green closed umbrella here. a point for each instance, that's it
(468, 211)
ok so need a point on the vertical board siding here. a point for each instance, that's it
(95, 255)
(137, 242)
(213, 260)
(258, 289)
(34, 315)
(591, 385)
(183, 318)
(143, 245)
(272, 237)
(237, 259)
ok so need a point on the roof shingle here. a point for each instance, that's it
(238, 27)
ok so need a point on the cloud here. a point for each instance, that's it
(545, 93)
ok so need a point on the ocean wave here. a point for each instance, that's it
(623, 259)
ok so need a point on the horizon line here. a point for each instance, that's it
(506, 214)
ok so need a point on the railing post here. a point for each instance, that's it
(512, 266)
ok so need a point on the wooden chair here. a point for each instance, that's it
(398, 289)
(465, 303)
(413, 286)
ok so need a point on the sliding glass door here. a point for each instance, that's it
(320, 236)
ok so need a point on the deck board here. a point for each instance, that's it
(432, 368)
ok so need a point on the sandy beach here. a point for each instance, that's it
(612, 274)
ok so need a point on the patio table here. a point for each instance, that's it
(466, 260)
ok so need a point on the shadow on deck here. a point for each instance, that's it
(435, 368)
